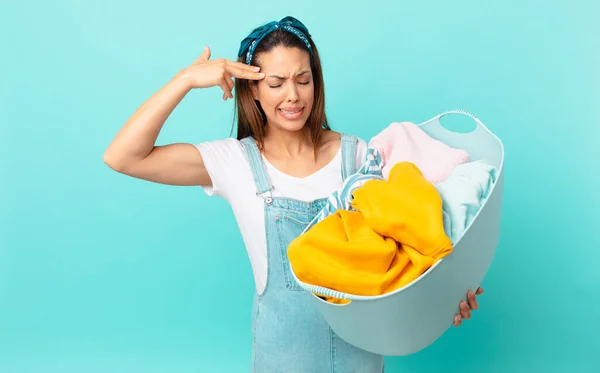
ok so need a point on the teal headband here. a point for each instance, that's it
(289, 24)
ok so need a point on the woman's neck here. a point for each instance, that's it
(287, 143)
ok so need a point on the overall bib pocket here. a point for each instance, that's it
(288, 228)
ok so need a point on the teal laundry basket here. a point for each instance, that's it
(411, 318)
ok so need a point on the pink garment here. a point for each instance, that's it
(406, 142)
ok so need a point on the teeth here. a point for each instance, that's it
(290, 112)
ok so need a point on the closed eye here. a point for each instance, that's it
(279, 85)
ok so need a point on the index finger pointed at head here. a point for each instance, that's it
(243, 66)
(242, 73)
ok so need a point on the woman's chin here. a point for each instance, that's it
(291, 125)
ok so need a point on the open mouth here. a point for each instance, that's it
(291, 113)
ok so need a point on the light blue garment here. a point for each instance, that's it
(463, 193)
(289, 334)
(341, 199)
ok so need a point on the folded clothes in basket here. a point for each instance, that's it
(406, 142)
(395, 233)
(377, 234)
(463, 193)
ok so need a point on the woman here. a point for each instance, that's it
(276, 176)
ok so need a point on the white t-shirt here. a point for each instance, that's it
(232, 180)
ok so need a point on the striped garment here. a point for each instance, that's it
(342, 198)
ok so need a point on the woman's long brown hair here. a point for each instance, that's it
(251, 119)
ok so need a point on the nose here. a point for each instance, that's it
(292, 94)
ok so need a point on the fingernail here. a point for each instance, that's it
(471, 293)
(256, 68)
(262, 75)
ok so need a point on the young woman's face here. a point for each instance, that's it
(286, 94)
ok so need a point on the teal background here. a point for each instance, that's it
(104, 273)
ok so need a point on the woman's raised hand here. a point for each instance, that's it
(204, 73)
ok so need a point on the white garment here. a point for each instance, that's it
(232, 180)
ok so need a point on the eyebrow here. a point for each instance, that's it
(281, 77)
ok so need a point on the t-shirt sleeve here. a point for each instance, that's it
(221, 159)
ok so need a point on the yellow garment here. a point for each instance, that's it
(395, 235)
(407, 208)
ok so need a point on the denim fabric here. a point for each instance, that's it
(289, 334)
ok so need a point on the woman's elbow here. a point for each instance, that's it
(113, 161)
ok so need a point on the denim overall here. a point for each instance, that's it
(289, 335)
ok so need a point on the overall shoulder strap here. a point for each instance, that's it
(349, 143)
(259, 172)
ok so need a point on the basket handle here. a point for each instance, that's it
(460, 111)
(480, 125)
